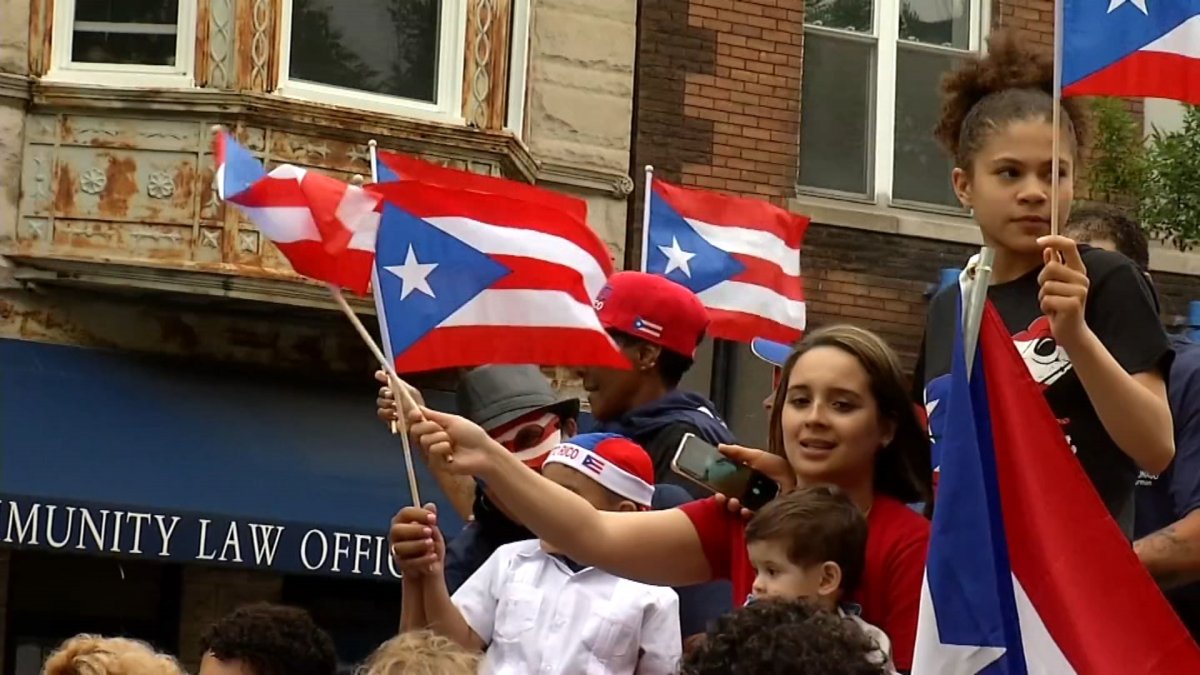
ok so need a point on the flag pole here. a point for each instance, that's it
(646, 217)
(973, 303)
(1056, 116)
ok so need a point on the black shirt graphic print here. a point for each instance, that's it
(1120, 310)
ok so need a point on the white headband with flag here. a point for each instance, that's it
(603, 471)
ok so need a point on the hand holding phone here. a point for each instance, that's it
(703, 464)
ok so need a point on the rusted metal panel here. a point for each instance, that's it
(220, 49)
(257, 34)
(41, 17)
(485, 72)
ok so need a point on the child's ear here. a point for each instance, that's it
(627, 505)
(831, 579)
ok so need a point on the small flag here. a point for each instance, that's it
(1027, 572)
(593, 463)
(1132, 48)
(395, 167)
(741, 257)
(324, 227)
(465, 279)
(648, 327)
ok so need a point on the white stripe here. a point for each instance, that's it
(496, 240)
(288, 172)
(1183, 40)
(523, 307)
(283, 224)
(220, 180)
(357, 212)
(757, 243)
(736, 296)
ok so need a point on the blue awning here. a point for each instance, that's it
(205, 453)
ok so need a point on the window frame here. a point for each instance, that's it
(885, 36)
(450, 72)
(64, 69)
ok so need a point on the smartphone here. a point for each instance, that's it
(702, 463)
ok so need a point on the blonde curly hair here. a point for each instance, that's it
(420, 653)
(95, 655)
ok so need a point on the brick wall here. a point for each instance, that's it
(719, 96)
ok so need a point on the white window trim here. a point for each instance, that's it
(518, 67)
(882, 105)
(180, 75)
(451, 59)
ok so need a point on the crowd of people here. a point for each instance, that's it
(590, 553)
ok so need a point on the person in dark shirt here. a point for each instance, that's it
(1083, 319)
(1166, 507)
(658, 324)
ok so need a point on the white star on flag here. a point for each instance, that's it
(1140, 4)
(413, 275)
(677, 258)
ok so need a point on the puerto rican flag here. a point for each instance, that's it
(1027, 572)
(393, 167)
(466, 279)
(323, 226)
(740, 256)
(1132, 48)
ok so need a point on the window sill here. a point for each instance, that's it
(349, 98)
(130, 79)
(15, 87)
(941, 227)
(888, 220)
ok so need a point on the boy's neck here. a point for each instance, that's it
(1010, 266)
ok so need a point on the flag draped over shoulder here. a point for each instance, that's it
(740, 256)
(468, 278)
(1027, 572)
(1131, 48)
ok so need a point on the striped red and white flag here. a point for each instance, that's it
(740, 256)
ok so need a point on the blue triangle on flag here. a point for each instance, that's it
(707, 265)
(384, 173)
(424, 276)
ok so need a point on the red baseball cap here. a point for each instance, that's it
(653, 308)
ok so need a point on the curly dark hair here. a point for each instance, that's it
(1093, 220)
(1015, 81)
(790, 637)
(271, 640)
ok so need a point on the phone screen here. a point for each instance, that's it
(704, 463)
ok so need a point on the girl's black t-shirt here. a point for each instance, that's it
(1120, 310)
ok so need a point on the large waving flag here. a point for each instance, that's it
(740, 256)
(1131, 48)
(396, 167)
(323, 226)
(1027, 572)
(467, 278)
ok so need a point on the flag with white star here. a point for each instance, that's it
(1131, 48)
(1026, 570)
(465, 278)
(741, 257)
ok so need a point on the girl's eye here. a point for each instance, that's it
(843, 406)
(1009, 173)
(798, 401)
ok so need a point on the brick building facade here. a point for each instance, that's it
(722, 104)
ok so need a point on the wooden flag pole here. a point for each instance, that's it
(1056, 116)
(399, 389)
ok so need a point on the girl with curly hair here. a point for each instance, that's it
(1083, 318)
(95, 655)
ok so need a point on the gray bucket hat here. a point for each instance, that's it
(492, 396)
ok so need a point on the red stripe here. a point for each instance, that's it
(411, 168)
(751, 214)
(350, 270)
(1096, 599)
(769, 275)
(429, 201)
(539, 274)
(467, 346)
(324, 195)
(742, 327)
(1144, 74)
(270, 191)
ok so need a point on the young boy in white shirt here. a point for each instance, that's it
(535, 611)
(811, 544)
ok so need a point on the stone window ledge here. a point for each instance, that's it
(953, 229)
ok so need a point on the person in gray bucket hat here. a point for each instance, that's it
(517, 407)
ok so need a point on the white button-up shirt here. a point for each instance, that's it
(538, 616)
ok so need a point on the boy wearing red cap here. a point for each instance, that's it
(534, 610)
(658, 324)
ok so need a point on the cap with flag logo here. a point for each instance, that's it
(613, 461)
(653, 308)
